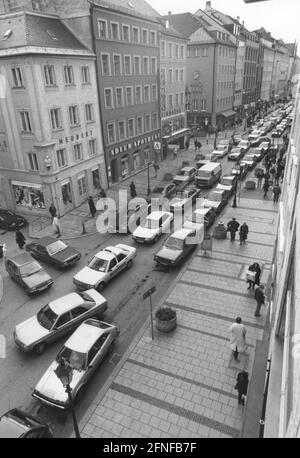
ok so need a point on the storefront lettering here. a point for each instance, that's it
(76, 137)
(135, 144)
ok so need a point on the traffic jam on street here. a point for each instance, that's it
(88, 308)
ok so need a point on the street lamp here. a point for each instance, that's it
(65, 374)
(149, 190)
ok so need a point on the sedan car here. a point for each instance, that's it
(18, 424)
(28, 273)
(244, 144)
(179, 246)
(237, 138)
(57, 319)
(254, 137)
(258, 153)
(220, 151)
(184, 200)
(236, 154)
(216, 200)
(83, 352)
(153, 226)
(104, 266)
(250, 160)
(199, 217)
(227, 183)
(53, 251)
(10, 221)
(185, 175)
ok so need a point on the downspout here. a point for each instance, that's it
(214, 114)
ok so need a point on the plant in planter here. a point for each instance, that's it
(166, 319)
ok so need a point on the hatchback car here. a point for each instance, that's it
(185, 175)
(28, 273)
(18, 424)
(236, 154)
(53, 251)
(10, 221)
(217, 200)
(179, 246)
(250, 160)
(244, 144)
(227, 183)
(83, 352)
(152, 227)
(57, 319)
(199, 217)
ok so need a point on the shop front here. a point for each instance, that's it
(67, 196)
(28, 195)
(226, 119)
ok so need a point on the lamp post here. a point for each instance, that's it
(149, 190)
(234, 204)
(65, 374)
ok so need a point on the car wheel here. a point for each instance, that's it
(100, 287)
(80, 394)
(129, 264)
(40, 348)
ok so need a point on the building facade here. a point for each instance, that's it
(52, 146)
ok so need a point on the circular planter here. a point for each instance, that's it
(166, 326)
(220, 232)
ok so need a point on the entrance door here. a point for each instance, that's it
(66, 193)
(114, 171)
(96, 179)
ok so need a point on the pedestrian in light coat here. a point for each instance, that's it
(237, 336)
(56, 226)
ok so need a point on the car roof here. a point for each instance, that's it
(157, 215)
(22, 259)
(15, 423)
(45, 241)
(106, 255)
(182, 234)
(85, 336)
(202, 211)
(230, 177)
(66, 303)
(187, 169)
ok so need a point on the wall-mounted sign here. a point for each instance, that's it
(76, 137)
(135, 144)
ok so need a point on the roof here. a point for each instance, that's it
(157, 215)
(84, 337)
(185, 23)
(132, 7)
(182, 234)
(104, 255)
(39, 31)
(22, 259)
(202, 211)
(66, 303)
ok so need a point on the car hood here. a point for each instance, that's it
(51, 387)
(180, 178)
(90, 276)
(169, 253)
(65, 254)
(30, 331)
(144, 232)
(235, 154)
(36, 279)
(224, 187)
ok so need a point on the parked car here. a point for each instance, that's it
(240, 172)
(178, 247)
(216, 200)
(17, 424)
(227, 183)
(126, 220)
(167, 191)
(236, 154)
(265, 146)
(53, 251)
(250, 160)
(104, 266)
(226, 142)
(211, 157)
(153, 226)
(220, 151)
(199, 217)
(258, 153)
(185, 176)
(10, 221)
(276, 133)
(184, 200)
(265, 140)
(236, 139)
(58, 318)
(244, 144)
(28, 273)
(254, 137)
(84, 351)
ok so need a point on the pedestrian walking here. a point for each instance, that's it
(56, 226)
(101, 193)
(276, 192)
(260, 297)
(187, 144)
(255, 268)
(241, 386)
(52, 211)
(156, 168)
(259, 175)
(266, 188)
(92, 207)
(20, 239)
(233, 227)
(132, 190)
(244, 231)
(237, 335)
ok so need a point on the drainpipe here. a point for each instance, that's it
(214, 114)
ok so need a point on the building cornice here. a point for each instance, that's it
(40, 50)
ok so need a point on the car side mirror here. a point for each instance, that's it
(90, 366)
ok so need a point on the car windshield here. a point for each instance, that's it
(182, 173)
(150, 223)
(235, 151)
(30, 269)
(46, 317)
(226, 181)
(98, 264)
(215, 196)
(86, 297)
(56, 247)
(174, 243)
(76, 359)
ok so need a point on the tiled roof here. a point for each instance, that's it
(33, 30)
(140, 7)
(185, 23)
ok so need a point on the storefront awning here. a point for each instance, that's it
(176, 134)
(228, 113)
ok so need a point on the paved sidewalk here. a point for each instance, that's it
(182, 385)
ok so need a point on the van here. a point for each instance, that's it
(208, 175)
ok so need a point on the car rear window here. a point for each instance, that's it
(174, 244)
(56, 247)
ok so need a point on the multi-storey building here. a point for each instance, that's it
(52, 146)
(251, 64)
(173, 58)
(267, 43)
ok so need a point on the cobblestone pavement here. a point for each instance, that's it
(181, 385)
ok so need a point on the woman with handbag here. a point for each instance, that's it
(253, 279)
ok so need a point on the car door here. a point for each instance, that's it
(97, 354)
(79, 314)
(113, 268)
(12, 270)
(61, 326)
(41, 252)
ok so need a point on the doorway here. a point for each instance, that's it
(114, 171)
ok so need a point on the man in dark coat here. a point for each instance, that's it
(260, 299)
(52, 211)
(266, 188)
(276, 192)
(233, 227)
(244, 230)
(132, 190)
(20, 239)
(92, 206)
(242, 386)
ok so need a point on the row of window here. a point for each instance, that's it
(115, 31)
(179, 100)
(199, 104)
(131, 65)
(172, 50)
(225, 86)
(224, 102)
(226, 52)
(174, 76)
(123, 130)
(56, 118)
(251, 54)
(133, 96)
(250, 69)
(62, 157)
(226, 69)
(50, 76)
(197, 51)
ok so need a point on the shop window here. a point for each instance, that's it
(136, 161)
(66, 193)
(125, 167)
(81, 186)
(28, 196)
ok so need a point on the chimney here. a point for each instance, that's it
(238, 18)
(208, 6)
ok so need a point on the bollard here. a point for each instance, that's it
(83, 228)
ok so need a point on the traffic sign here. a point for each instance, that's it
(157, 145)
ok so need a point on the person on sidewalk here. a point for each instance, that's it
(20, 239)
(266, 188)
(187, 144)
(254, 268)
(101, 194)
(132, 190)
(56, 226)
(237, 335)
(260, 297)
(156, 168)
(233, 227)
(92, 207)
(244, 231)
(276, 192)
(52, 211)
(241, 386)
